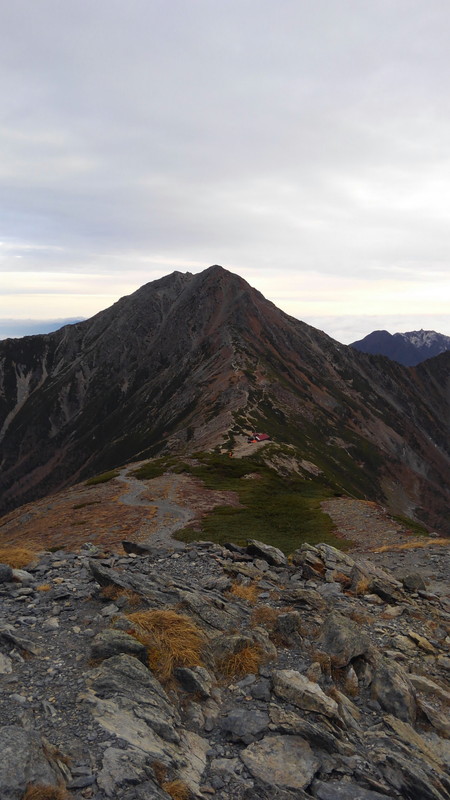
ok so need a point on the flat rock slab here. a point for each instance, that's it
(336, 790)
(22, 761)
(286, 762)
(303, 693)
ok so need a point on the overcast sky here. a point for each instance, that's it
(304, 144)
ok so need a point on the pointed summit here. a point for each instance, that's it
(189, 361)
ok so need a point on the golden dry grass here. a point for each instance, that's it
(265, 616)
(246, 662)
(362, 587)
(411, 545)
(17, 557)
(319, 657)
(177, 790)
(172, 640)
(44, 792)
(249, 592)
(112, 592)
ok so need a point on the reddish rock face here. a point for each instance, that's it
(165, 369)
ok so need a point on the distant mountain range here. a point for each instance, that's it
(186, 363)
(408, 349)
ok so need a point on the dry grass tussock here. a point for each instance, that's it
(45, 793)
(172, 640)
(249, 592)
(17, 557)
(112, 592)
(178, 790)
(362, 587)
(265, 616)
(411, 545)
(246, 662)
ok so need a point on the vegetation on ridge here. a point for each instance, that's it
(281, 510)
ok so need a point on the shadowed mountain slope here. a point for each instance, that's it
(189, 360)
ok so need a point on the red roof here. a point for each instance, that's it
(261, 437)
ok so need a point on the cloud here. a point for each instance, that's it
(16, 328)
(304, 144)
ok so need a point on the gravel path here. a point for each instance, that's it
(169, 516)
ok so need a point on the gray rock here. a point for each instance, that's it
(245, 725)
(304, 598)
(22, 576)
(413, 582)
(5, 665)
(338, 790)
(127, 701)
(195, 679)
(113, 642)
(272, 555)
(121, 768)
(133, 689)
(288, 722)
(285, 762)
(342, 639)
(6, 573)
(413, 782)
(288, 624)
(303, 693)
(393, 690)
(9, 634)
(22, 761)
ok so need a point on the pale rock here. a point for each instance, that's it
(303, 693)
(342, 639)
(423, 684)
(394, 691)
(286, 762)
(421, 642)
(6, 665)
(273, 555)
(22, 761)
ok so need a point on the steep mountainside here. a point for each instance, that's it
(188, 361)
(408, 349)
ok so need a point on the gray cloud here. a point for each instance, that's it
(277, 138)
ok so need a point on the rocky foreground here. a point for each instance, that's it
(320, 677)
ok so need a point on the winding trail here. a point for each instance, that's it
(168, 516)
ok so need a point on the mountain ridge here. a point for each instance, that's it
(187, 362)
(409, 349)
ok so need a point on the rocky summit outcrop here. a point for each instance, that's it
(314, 677)
(187, 363)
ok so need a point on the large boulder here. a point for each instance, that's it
(267, 552)
(22, 761)
(394, 691)
(110, 643)
(303, 693)
(342, 639)
(285, 762)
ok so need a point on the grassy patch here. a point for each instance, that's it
(103, 478)
(157, 467)
(88, 503)
(411, 525)
(282, 511)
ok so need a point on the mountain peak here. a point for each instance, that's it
(409, 349)
(191, 361)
